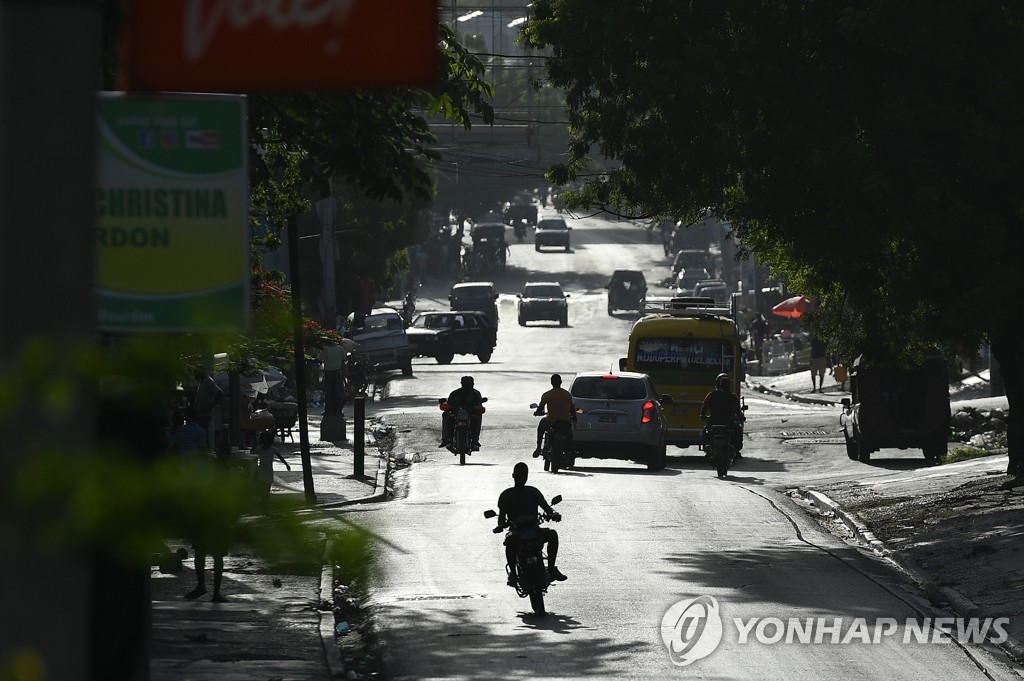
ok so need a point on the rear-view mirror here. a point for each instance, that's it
(489, 513)
(556, 500)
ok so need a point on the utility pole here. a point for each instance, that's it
(300, 360)
(49, 67)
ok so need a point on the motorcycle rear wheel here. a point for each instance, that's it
(537, 601)
(722, 464)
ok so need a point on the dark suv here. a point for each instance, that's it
(475, 295)
(442, 335)
(627, 291)
(896, 407)
(543, 300)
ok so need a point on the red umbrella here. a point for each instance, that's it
(794, 308)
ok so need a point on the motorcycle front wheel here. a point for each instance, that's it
(536, 584)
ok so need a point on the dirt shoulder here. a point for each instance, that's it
(963, 528)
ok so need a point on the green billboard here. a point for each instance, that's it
(172, 202)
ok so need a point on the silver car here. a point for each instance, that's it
(619, 416)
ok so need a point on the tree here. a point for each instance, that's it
(868, 152)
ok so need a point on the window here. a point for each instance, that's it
(600, 388)
(693, 356)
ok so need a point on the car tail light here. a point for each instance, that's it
(648, 412)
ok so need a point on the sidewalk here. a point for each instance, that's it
(275, 625)
(957, 530)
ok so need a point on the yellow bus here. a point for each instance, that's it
(683, 344)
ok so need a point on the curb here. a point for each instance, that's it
(332, 651)
(958, 603)
(328, 639)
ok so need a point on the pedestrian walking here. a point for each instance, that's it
(666, 236)
(265, 453)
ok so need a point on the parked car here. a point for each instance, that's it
(475, 295)
(551, 231)
(382, 339)
(687, 279)
(897, 407)
(619, 416)
(543, 300)
(627, 291)
(442, 335)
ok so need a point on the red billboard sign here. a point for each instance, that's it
(278, 45)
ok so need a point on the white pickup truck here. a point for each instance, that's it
(382, 340)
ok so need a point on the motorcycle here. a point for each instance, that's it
(532, 579)
(357, 375)
(720, 449)
(556, 447)
(462, 430)
(519, 228)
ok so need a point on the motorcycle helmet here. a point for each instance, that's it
(467, 381)
(722, 382)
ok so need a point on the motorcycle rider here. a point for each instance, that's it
(722, 408)
(470, 398)
(521, 503)
(559, 408)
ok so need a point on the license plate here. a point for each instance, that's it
(608, 418)
(680, 411)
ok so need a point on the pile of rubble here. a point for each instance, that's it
(981, 428)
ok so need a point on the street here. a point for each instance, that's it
(633, 543)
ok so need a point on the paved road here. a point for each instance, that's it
(634, 542)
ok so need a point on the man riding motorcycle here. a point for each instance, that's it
(521, 503)
(559, 406)
(470, 398)
(722, 408)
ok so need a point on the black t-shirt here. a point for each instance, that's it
(465, 397)
(520, 504)
(721, 407)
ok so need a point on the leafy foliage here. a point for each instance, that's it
(866, 151)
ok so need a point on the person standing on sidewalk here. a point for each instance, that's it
(332, 357)
(207, 404)
(215, 479)
(819, 362)
(758, 331)
(264, 454)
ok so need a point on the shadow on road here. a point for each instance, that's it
(460, 647)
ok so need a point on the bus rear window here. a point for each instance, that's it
(686, 354)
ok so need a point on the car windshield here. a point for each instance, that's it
(550, 224)
(473, 294)
(542, 292)
(433, 321)
(608, 388)
(381, 323)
